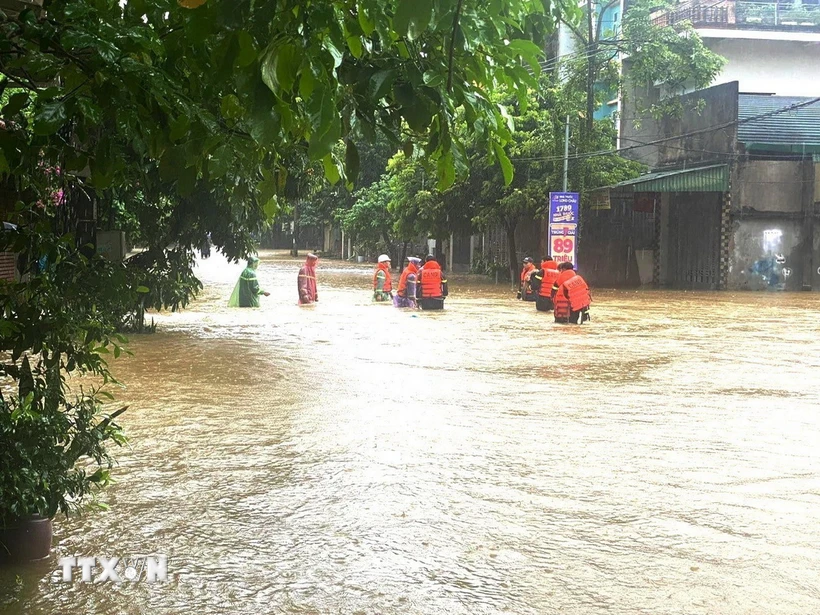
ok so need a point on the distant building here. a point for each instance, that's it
(731, 203)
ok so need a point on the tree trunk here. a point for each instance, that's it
(512, 252)
(591, 63)
(403, 255)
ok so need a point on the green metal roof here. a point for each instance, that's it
(795, 131)
(713, 178)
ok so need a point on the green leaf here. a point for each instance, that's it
(380, 84)
(143, 289)
(179, 127)
(307, 83)
(504, 161)
(271, 208)
(412, 17)
(325, 125)
(446, 171)
(220, 162)
(415, 108)
(352, 162)
(92, 112)
(247, 50)
(354, 43)
(367, 24)
(280, 67)
(331, 170)
(16, 103)
(529, 51)
(186, 182)
(230, 107)
(50, 118)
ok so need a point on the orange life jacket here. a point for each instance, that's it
(561, 300)
(411, 269)
(388, 282)
(577, 293)
(528, 268)
(430, 277)
(550, 273)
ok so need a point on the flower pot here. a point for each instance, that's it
(27, 541)
(360, 259)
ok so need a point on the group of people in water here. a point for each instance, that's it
(552, 287)
(421, 285)
(556, 288)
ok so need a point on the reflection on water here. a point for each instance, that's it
(354, 458)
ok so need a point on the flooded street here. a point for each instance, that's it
(355, 458)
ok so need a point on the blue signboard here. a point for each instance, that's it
(564, 226)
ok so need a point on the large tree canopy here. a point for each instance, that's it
(206, 105)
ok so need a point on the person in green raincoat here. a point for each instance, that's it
(247, 291)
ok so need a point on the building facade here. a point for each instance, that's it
(732, 202)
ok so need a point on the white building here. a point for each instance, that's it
(770, 47)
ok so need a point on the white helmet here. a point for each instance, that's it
(384, 258)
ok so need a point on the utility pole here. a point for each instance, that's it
(566, 154)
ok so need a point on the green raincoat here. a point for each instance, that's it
(247, 291)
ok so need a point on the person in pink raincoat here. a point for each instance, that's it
(306, 282)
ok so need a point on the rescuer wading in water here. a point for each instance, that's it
(571, 297)
(525, 290)
(431, 286)
(542, 281)
(406, 293)
(382, 282)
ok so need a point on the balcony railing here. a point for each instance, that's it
(743, 14)
(775, 14)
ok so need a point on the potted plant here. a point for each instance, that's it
(53, 459)
(61, 320)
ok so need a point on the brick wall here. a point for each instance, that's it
(7, 266)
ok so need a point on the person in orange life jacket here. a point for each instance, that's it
(431, 288)
(571, 296)
(542, 281)
(406, 293)
(525, 291)
(382, 282)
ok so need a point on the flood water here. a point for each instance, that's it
(352, 458)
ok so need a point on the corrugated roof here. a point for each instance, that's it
(713, 178)
(793, 128)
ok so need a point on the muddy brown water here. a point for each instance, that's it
(356, 458)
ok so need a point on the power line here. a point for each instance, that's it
(736, 122)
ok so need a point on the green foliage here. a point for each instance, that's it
(61, 322)
(53, 461)
(672, 56)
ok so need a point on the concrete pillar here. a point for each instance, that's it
(725, 238)
(811, 195)
(472, 251)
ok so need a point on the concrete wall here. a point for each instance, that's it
(703, 112)
(784, 68)
(772, 243)
(766, 255)
(767, 185)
